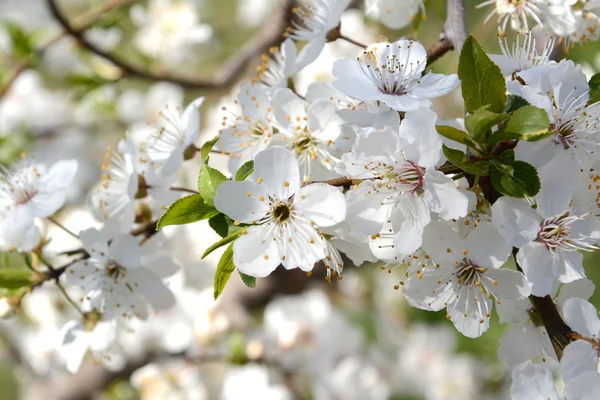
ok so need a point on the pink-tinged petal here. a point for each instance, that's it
(578, 358)
(532, 382)
(190, 121)
(241, 201)
(582, 317)
(256, 253)
(443, 196)
(277, 169)
(125, 250)
(516, 221)
(486, 246)
(320, 203)
(433, 85)
(540, 267)
(151, 287)
(410, 216)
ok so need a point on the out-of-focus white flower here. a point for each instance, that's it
(114, 280)
(392, 73)
(395, 14)
(282, 64)
(284, 217)
(254, 13)
(169, 380)
(28, 191)
(134, 106)
(169, 30)
(77, 337)
(354, 379)
(252, 382)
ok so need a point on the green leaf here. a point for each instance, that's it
(507, 157)
(226, 240)
(218, 223)
(527, 123)
(244, 171)
(594, 89)
(186, 210)
(480, 124)
(208, 182)
(224, 270)
(530, 122)
(514, 102)
(206, 148)
(454, 134)
(13, 278)
(518, 179)
(460, 159)
(482, 82)
(248, 280)
(22, 43)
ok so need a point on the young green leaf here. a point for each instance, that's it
(206, 148)
(527, 123)
(226, 240)
(457, 135)
(187, 210)
(482, 82)
(14, 278)
(514, 102)
(208, 182)
(594, 89)
(223, 225)
(244, 171)
(224, 270)
(248, 280)
(480, 124)
(460, 159)
(519, 179)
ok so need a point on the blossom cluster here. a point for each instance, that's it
(491, 211)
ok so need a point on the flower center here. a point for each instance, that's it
(115, 270)
(409, 177)
(555, 232)
(469, 274)
(281, 212)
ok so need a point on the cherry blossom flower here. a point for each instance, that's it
(394, 14)
(77, 337)
(586, 24)
(310, 132)
(283, 63)
(522, 56)
(169, 379)
(30, 190)
(252, 380)
(548, 243)
(392, 73)
(284, 216)
(401, 181)
(245, 135)
(467, 277)
(115, 282)
(314, 22)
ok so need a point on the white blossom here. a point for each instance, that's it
(284, 216)
(77, 337)
(395, 14)
(522, 56)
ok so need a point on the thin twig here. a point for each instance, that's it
(350, 40)
(182, 189)
(69, 299)
(61, 226)
(441, 47)
(270, 36)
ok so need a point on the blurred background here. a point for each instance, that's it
(355, 338)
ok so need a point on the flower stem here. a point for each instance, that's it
(61, 226)
(69, 299)
(350, 40)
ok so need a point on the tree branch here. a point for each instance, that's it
(455, 28)
(270, 36)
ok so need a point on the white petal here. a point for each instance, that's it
(487, 247)
(442, 243)
(125, 250)
(94, 242)
(322, 204)
(15, 225)
(427, 292)
(190, 120)
(433, 85)
(289, 109)
(409, 218)
(540, 267)
(516, 220)
(233, 200)
(418, 128)
(103, 335)
(443, 197)
(512, 285)
(365, 211)
(256, 253)
(578, 358)
(582, 288)
(570, 266)
(524, 343)
(147, 284)
(278, 170)
(532, 382)
(582, 317)
(301, 247)
(353, 81)
(468, 312)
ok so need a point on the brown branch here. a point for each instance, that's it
(441, 47)
(270, 36)
(559, 332)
